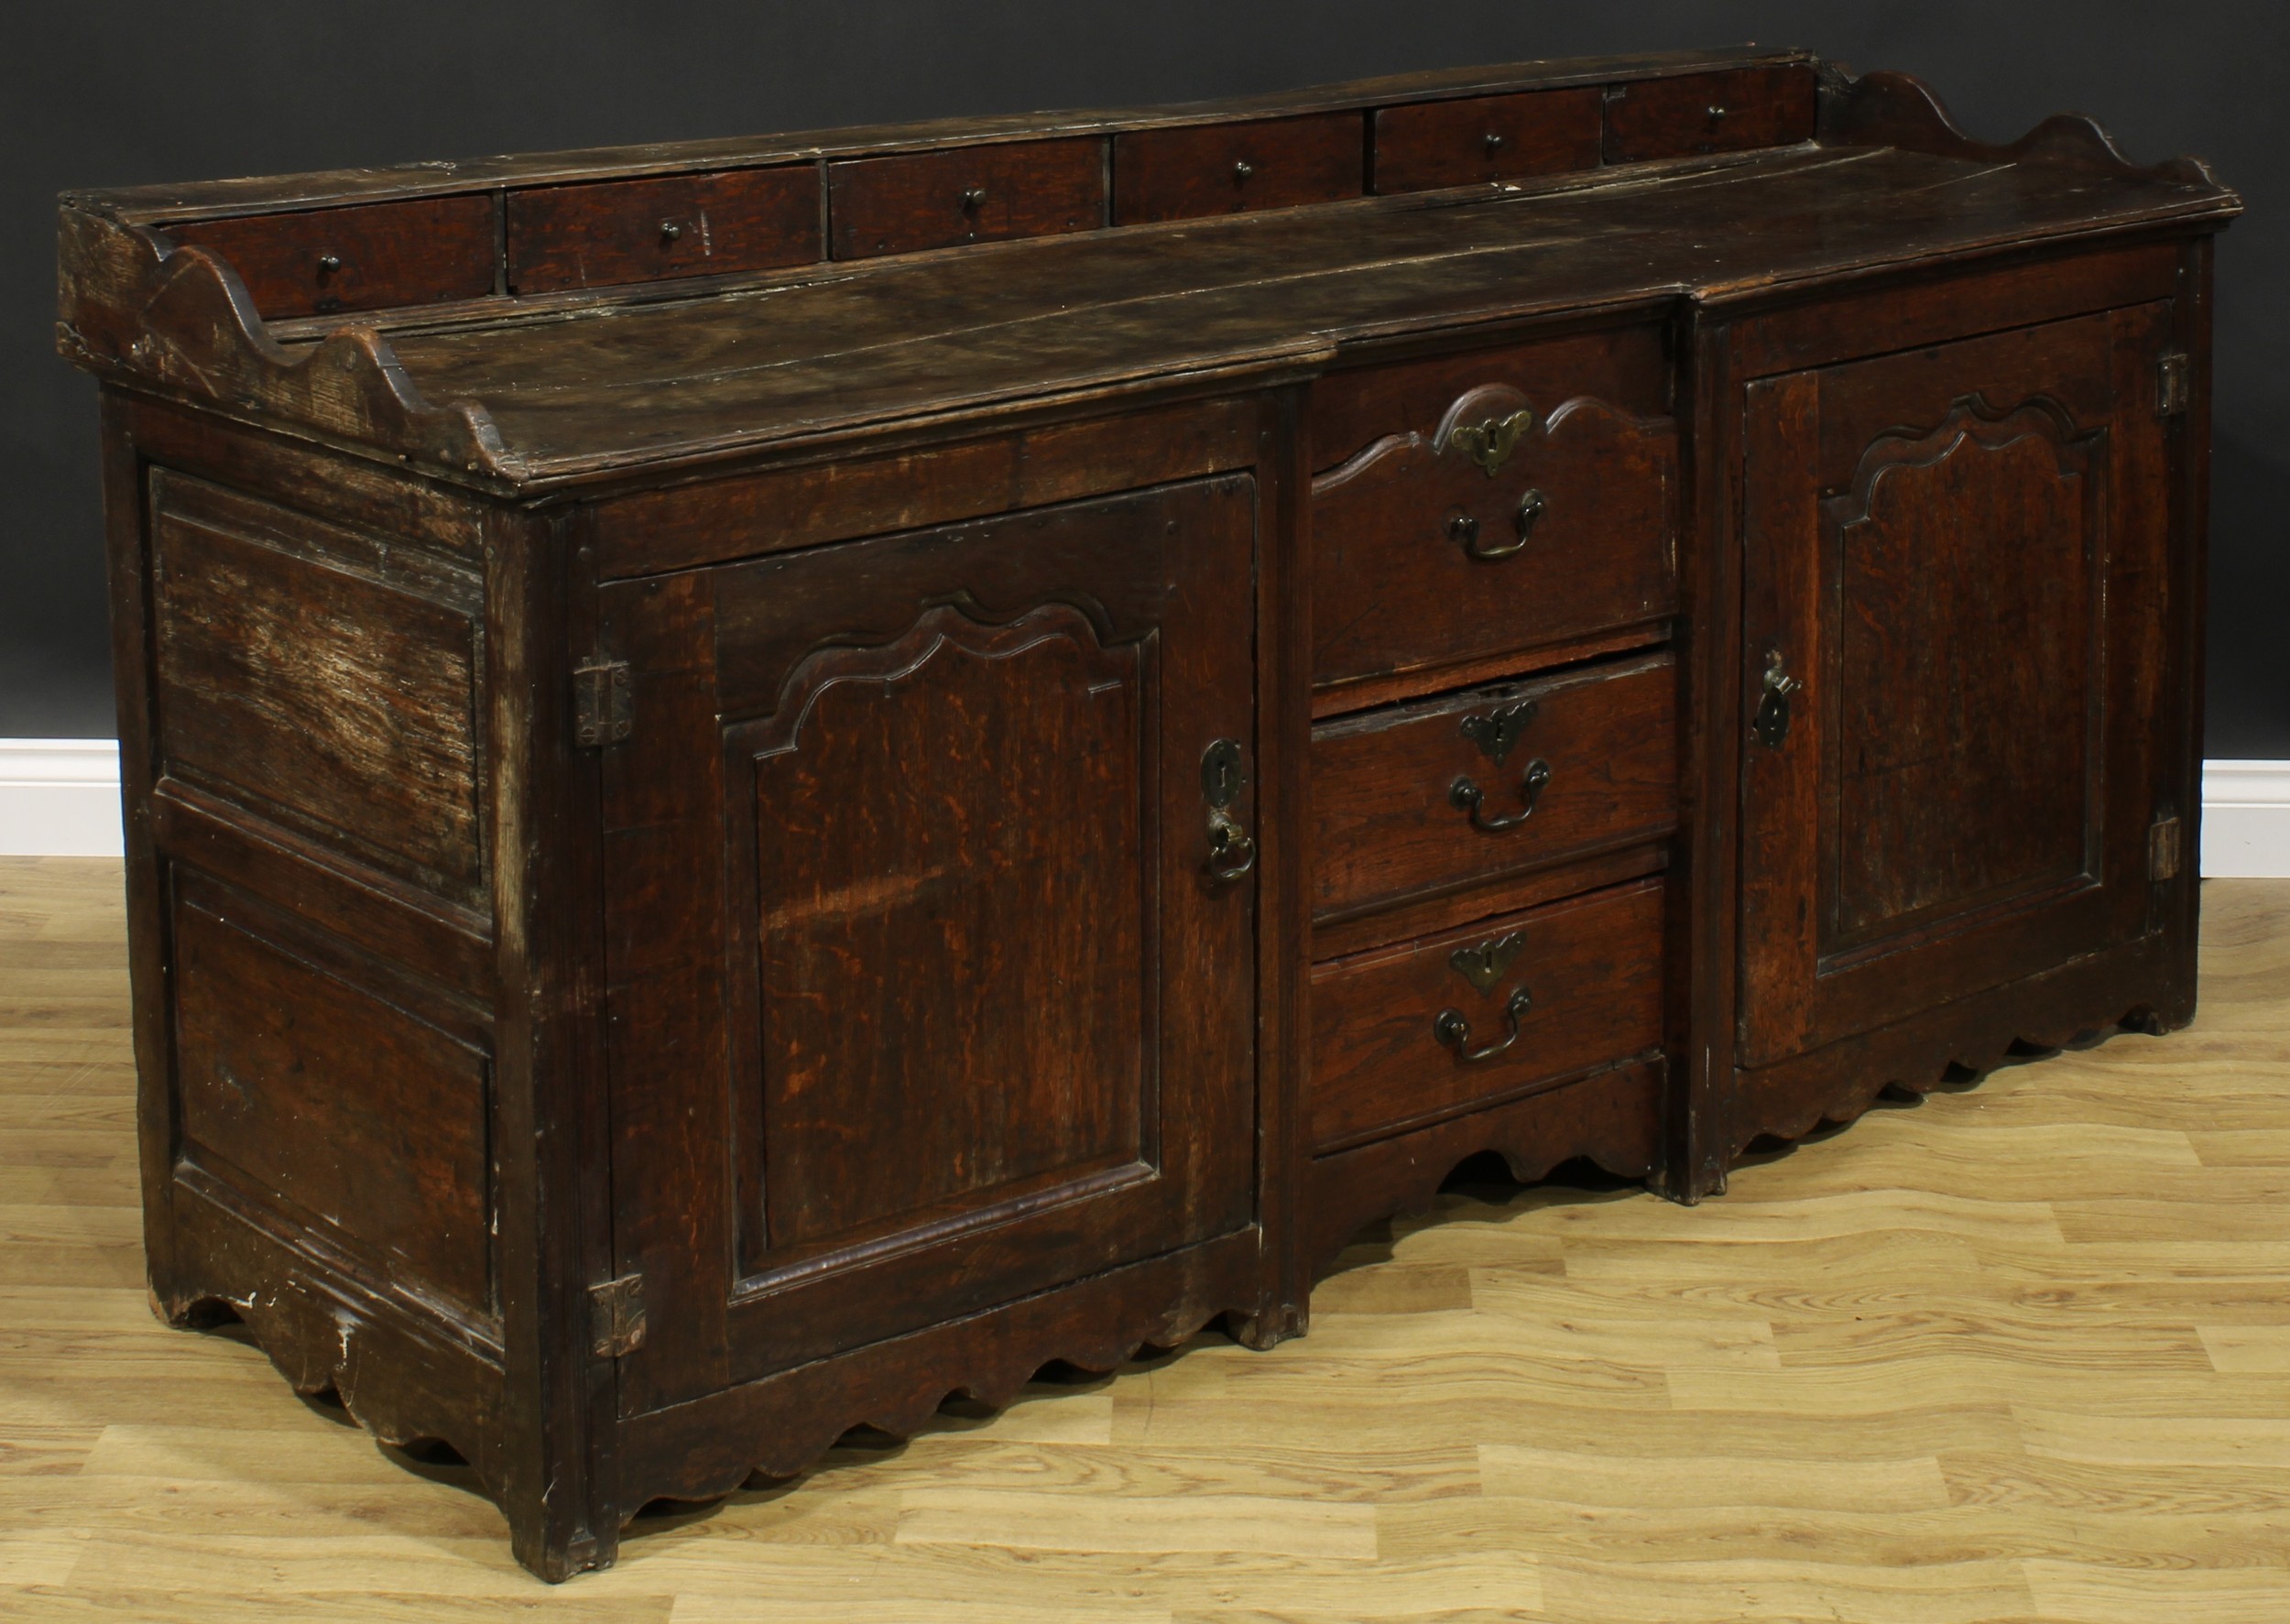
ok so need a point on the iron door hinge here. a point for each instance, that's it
(617, 1316)
(602, 711)
(2166, 850)
(2173, 383)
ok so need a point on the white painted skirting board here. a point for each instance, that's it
(2246, 820)
(60, 798)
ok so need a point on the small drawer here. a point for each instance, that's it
(603, 232)
(1404, 1036)
(1729, 112)
(913, 201)
(1428, 144)
(1426, 798)
(315, 262)
(1508, 500)
(1227, 169)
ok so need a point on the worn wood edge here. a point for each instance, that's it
(2120, 990)
(1399, 1175)
(1071, 457)
(779, 1425)
(1346, 697)
(1273, 367)
(1629, 840)
(130, 306)
(1511, 892)
(1545, 680)
(195, 824)
(400, 1374)
(145, 205)
(1887, 108)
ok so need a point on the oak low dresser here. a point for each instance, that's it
(768, 780)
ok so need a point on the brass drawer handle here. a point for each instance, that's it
(1463, 530)
(1453, 1029)
(1467, 797)
(1491, 442)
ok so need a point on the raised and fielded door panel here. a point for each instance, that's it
(929, 924)
(1954, 610)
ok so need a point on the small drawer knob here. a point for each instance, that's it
(1243, 170)
(1494, 143)
(1716, 112)
(329, 263)
(670, 230)
(973, 199)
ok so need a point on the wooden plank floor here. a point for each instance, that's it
(2020, 1352)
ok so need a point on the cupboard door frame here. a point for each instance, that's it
(1153, 583)
(1820, 446)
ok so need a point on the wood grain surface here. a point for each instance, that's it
(2015, 1354)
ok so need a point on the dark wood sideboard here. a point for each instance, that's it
(768, 780)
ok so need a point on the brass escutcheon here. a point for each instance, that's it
(1489, 444)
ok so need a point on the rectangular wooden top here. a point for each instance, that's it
(527, 394)
(1069, 315)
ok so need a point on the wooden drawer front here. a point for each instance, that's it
(604, 233)
(422, 251)
(971, 194)
(1532, 511)
(1580, 979)
(1227, 169)
(1479, 139)
(1598, 747)
(1727, 112)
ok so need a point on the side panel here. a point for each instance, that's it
(321, 676)
(300, 661)
(328, 1104)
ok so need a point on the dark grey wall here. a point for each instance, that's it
(103, 92)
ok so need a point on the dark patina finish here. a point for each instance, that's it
(770, 778)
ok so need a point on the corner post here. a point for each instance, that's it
(559, 1486)
(1700, 938)
(1284, 722)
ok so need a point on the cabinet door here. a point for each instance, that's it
(921, 999)
(1954, 575)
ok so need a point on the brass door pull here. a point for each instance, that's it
(1771, 722)
(1469, 797)
(1231, 851)
(1453, 1029)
